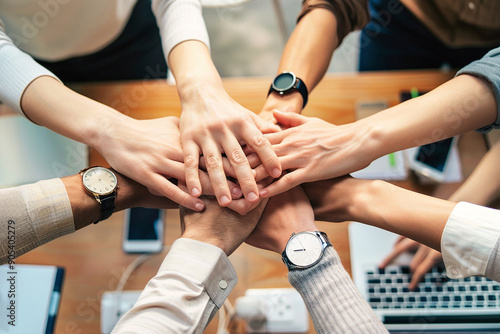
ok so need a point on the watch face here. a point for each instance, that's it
(284, 81)
(304, 249)
(99, 180)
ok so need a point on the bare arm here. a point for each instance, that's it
(212, 123)
(317, 150)
(321, 28)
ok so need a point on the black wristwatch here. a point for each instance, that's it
(305, 249)
(101, 183)
(287, 82)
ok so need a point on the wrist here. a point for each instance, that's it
(128, 194)
(291, 102)
(207, 239)
(368, 202)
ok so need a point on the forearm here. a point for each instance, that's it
(462, 104)
(484, 182)
(194, 72)
(332, 299)
(49, 103)
(383, 205)
(192, 283)
(307, 54)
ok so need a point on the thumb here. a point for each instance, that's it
(289, 119)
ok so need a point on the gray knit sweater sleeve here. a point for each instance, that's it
(334, 303)
(487, 68)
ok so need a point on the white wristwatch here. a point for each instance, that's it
(305, 249)
(101, 183)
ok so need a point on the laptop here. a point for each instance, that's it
(29, 298)
(439, 305)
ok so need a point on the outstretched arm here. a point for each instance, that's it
(317, 150)
(212, 124)
(467, 235)
(196, 276)
(40, 212)
(334, 303)
(321, 27)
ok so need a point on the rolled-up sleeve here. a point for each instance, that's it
(350, 14)
(487, 68)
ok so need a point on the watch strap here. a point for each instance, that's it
(302, 89)
(107, 206)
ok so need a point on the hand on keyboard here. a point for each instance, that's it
(424, 259)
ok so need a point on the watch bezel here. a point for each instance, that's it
(296, 235)
(287, 88)
(92, 191)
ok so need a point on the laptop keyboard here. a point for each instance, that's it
(388, 289)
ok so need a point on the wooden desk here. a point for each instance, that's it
(93, 257)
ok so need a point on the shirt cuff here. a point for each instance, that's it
(205, 263)
(18, 70)
(469, 237)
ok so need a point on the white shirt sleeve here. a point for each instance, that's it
(469, 240)
(179, 21)
(191, 285)
(17, 71)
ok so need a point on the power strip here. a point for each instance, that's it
(114, 304)
(273, 311)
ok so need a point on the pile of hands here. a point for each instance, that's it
(237, 176)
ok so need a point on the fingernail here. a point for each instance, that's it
(263, 193)
(195, 192)
(236, 191)
(276, 173)
(224, 200)
(276, 110)
(252, 197)
(199, 206)
(254, 172)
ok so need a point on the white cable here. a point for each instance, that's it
(221, 327)
(130, 269)
(134, 265)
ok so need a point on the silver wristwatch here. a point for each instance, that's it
(305, 249)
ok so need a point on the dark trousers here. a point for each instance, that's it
(394, 39)
(136, 54)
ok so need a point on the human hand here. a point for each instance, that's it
(312, 149)
(285, 214)
(213, 124)
(219, 226)
(150, 152)
(424, 259)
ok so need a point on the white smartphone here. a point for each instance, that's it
(431, 160)
(143, 230)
